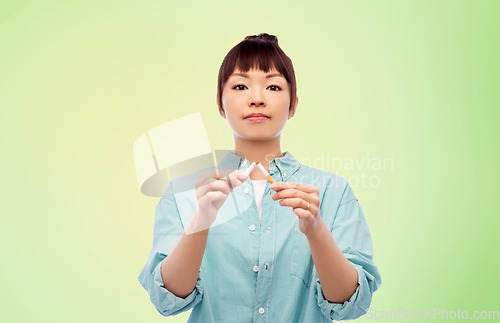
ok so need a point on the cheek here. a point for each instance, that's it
(229, 100)
(283, 99)
(224, 100)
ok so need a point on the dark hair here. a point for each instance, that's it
(257, 52)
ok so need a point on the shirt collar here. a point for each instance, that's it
(284, 166)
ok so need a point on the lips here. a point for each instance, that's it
(257, 119)
(256, 115)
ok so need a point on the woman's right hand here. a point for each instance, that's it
(211, 193)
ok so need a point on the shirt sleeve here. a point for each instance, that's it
(353, 238)
(168, 229)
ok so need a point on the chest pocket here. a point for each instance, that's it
(302, 262)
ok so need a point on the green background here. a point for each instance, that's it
(412, 81)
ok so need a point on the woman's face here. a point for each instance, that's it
(256, 92)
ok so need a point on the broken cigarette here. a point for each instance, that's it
(265, 173)
(250, 169)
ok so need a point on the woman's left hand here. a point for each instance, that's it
(304, 199)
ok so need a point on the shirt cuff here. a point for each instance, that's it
(169, 304)
(350, 309)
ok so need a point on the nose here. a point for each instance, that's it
(257, 99)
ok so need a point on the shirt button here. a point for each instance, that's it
(252, 227)
(267, 266)
(256, 268)
(247, 190)
(261, 310)
(285, 174)
(244, 163)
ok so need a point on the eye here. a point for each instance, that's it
(236, 86)
(275, 86)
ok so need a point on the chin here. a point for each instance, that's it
(258, 137)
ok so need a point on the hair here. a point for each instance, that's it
(257, 52)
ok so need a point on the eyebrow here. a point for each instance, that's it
(268, 76)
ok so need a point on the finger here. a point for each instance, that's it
(226, 172)
(236, 178)
(210, 177)
(242, 175)
(205, 178)
(301, 213)
(211, 197)
(299, 203)
(293, 202)
(219, 185)
(288, 193)
(202, 183)
(209, 174)
(232, 179)
(216, 195)
(221, 174)
(307, 188)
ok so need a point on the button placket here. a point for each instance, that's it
(266, 254)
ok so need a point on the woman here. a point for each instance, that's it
(295, 251)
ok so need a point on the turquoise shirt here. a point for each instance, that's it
(252, 273)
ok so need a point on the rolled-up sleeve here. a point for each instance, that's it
(168, 229)
(353, 238)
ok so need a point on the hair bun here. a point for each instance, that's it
(264, 36)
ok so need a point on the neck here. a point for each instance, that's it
(259, 152)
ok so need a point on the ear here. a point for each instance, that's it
(221, 111)
(292, 113)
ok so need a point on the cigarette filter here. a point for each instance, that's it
(265, 173)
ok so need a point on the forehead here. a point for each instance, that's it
(256, 73)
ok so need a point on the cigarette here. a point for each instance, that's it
(250, 169)
(265, 173)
